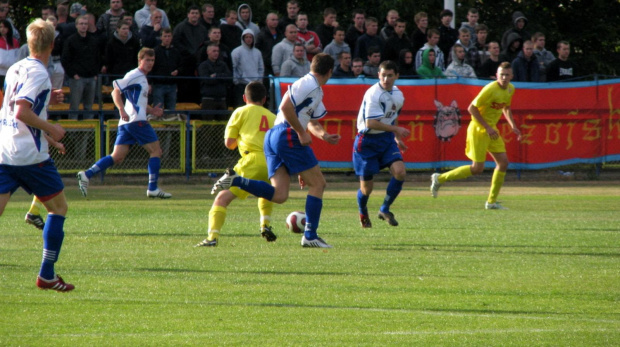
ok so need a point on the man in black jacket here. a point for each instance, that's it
(167, 60)
(81, 60)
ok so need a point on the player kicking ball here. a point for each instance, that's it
(245, 131)
(483, 136)
(24, 158)
(133, 126)
(288, 152)
(379, 141)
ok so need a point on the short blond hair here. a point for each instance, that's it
(40, 36)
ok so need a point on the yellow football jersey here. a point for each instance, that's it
(248, 124)
(491, 101)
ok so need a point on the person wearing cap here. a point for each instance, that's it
(143, 15)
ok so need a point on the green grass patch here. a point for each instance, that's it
(546, 272)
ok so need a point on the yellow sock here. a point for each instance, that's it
(36, 206)
(217, 217)
(265, 207)
(496, 184)
(459, 173)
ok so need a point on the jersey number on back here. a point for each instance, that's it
(264, 124)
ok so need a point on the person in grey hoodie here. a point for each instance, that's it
(297, 65)
(247, 65)
(337, 45)
(244, 19)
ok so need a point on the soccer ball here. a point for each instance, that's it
(296, 222)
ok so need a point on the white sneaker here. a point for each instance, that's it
(494, 206)
(83, 182)
(318, 242)
(158, 193)
(435, 184)
(225, 181)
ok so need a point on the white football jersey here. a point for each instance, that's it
(21, 144)
(135, 88)
(307, 97)
(381, 105)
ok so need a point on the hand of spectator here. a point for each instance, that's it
(76, 77)
(335, 24)
(104, 69)
(157, 27)
(57, 97)
(174, 73)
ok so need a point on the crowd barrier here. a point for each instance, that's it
(562, 124)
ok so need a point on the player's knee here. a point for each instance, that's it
(400, 174)
(280, 196)
(477, 170)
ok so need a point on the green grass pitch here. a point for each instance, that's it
(544, 273)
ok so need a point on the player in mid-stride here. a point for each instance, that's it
(246, 131)
(133, 126)
(287, 149)
(483, 136)
(24, 157)
(379, 141)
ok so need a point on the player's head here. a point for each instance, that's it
(255, 93)
(322, 64)
(40, 35)
(388, 74)
(146, 59)
(504, 74)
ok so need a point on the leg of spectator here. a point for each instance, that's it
(90, 88)
(76, 90)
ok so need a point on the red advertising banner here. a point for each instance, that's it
(561, 123)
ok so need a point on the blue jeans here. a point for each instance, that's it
(82, 91)
(166, 95)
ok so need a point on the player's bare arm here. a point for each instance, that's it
(508, 115)
(473, 110)
(400, 132)
(118, 101)
(156, 111)
(23, 113)
(288, 110)
(57, 97)
(58, 145)
(317, 130)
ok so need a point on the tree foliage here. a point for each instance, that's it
(591, 26)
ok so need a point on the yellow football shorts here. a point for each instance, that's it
(479, 143)
(253, 166)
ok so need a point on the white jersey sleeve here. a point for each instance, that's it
(307, 97)
(21, 144)
(135, 88)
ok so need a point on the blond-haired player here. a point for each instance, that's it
(483, 136)
(245, 131)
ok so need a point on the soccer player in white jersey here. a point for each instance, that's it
(133, 127)
(24, 158)
(379, 141)
(287, 149)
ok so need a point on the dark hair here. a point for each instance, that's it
(146, 52)
(255, 91)
(481, 27)
(358, 11)
(9, 33)
(473, 10)
(340, 29)
(389, 65)
(401, 20)
(432, 32)
(357, 60)
(372, 50)
(342, 53)
(166, 31)
(446, 12)
(328, 11)
(193, 7)
(322, 63)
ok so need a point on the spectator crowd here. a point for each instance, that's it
(229, 53)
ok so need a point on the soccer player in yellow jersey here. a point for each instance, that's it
(482, 136)
(246, 131)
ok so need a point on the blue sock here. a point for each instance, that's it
(100, 165)
(259, 189)
(314, 206)
(362, 202)
(53, 235)
(392, 191)
(154, 165)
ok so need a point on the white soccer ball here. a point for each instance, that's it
(296, 222)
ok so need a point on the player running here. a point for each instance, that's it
(379, 141)
(288, 152)
(245, 130)
(483, 136)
